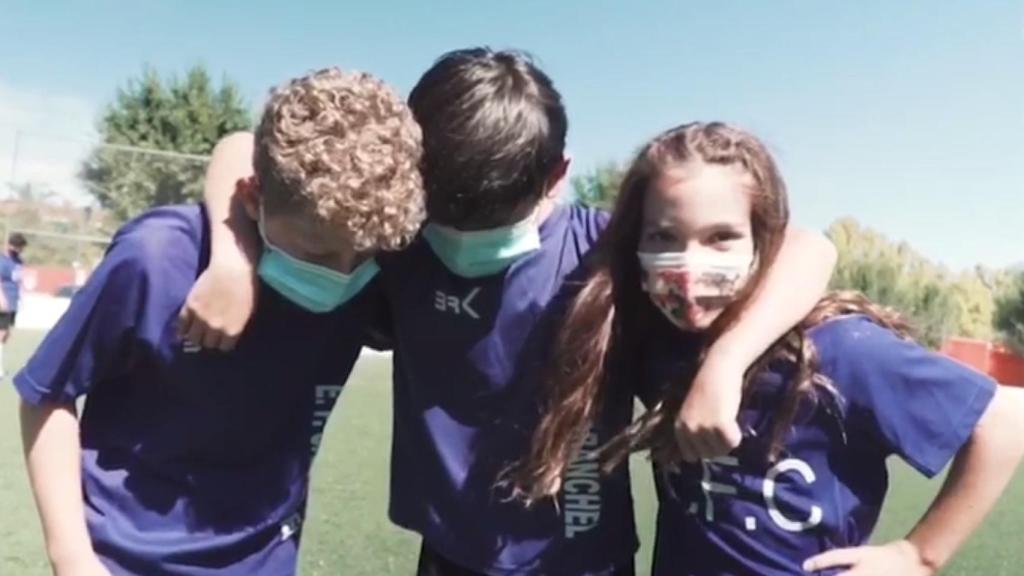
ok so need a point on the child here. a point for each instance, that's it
(699, 220)
(472, 302)
(10, 294)
(193, 462)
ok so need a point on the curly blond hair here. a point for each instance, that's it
(343, 148)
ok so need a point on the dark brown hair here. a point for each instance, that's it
(17, 240)
(493, 130)
(604, 331)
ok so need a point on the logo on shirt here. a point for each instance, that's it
(190, 347)
(456, 305)
(324, 398)
(793, 467)
(581, 490)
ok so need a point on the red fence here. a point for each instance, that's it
(1002, 364)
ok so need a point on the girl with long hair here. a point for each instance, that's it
(699, 219)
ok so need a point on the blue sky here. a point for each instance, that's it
(906, 115)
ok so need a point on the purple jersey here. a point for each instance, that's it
(467, 365)
(194, 462)
(744, 515)
(10, 278)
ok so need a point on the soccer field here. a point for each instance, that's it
(348, 533)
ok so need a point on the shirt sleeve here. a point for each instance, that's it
(919, 405)
(596, 221)
(125, 301)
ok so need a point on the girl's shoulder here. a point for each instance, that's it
(850, 329)
(855, 341)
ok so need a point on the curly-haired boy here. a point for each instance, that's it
(187, 461)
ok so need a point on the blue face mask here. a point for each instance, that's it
(476, 253)
(315, 288)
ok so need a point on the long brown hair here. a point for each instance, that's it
(603, 334)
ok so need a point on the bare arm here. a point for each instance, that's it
(231, 231)
(53, 456)
(792, 287)
(706, 426)
(980, 473)
(223, 298)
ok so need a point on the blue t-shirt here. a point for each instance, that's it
(467, 364)
(194, 462)
(10, 279)
(743, 515)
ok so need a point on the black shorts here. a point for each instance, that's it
(433, 564)
(7, 320)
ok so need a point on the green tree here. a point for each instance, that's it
(998, 280)
(894, 275)
(1009, 313)
(976, 303)
(599, 187)
(184, 116)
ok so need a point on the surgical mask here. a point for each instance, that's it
(682, 285)
(476, 253)
(313, 287)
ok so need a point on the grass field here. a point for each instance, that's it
(348, 533)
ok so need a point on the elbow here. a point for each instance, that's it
(824, 248)
(235, 140)
(814, 246)
(234, 149)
